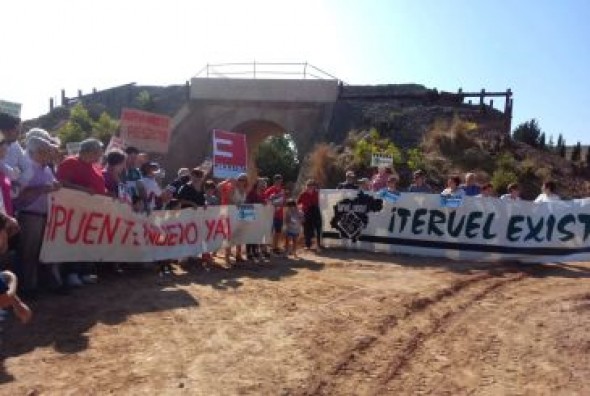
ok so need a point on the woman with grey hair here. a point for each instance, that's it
(32, 208)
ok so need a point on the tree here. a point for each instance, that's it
(528, 132)
(562, 148)
(278, 154)
(364, 148)
(542, 144)
(551, 143)
(506, 172)
(588, 156)
(81, 126)
(78, 127)
(415, 159)
(104, 128)
(145, 101)
(576, 152)
(559, 143)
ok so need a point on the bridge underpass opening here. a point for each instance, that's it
(271, 150)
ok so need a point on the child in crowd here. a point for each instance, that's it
(293, 222)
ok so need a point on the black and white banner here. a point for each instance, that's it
(477, 228)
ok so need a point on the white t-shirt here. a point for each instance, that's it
(508, 197)
(152, 190)
(547, 198)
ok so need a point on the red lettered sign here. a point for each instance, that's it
(230, 154)
(146, 131)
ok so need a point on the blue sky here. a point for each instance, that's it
(540, 49)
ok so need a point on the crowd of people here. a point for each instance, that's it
(386, 181)
(33, 167)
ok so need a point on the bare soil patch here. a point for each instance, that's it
(339, 323)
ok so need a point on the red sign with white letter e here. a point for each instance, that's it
(230, 156)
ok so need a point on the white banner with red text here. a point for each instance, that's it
(92, 228)
(473, 228)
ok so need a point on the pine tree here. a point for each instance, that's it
(542, 143)
(562, 148)
(577, 152)
(551, 143)
(559, 142)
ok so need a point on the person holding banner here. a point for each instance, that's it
(390, 193)
(453, 187)
(32, 206)
(115, 165)
(487, 191)
(191, 194)
(471, 188)
(513, 193)
(309, 202)
(256, 196)
(148, 188)
(419, 185)
(548, 193)
(82, 172)
(275, 194)
(234, 192)
(379, 180)
(349, 183)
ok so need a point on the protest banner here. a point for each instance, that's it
(11, 108)
(380, 160)
(146, 131)
(487, 229)
(230, 154)
(92, 228)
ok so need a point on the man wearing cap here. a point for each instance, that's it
(349, 184)
(32, 209)
(15, 164)
(82, 172)
(419, 185)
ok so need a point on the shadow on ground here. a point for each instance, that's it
(62, 322)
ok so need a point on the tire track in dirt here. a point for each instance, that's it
(510, 342)
(373, 361)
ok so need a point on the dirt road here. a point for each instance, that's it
(337, 324)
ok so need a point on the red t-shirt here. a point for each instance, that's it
(307, 199)
(73, 170)
(276, 196)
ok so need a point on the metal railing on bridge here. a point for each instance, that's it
(265, 70)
